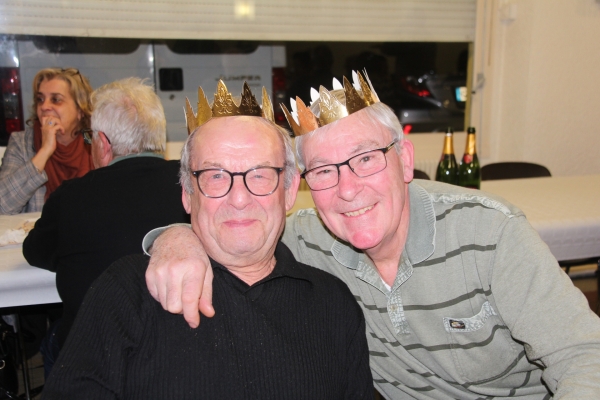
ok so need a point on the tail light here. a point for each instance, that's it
(11, 100)
(415, 86)
(279, 95)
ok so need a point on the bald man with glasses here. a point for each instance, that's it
(282, 330)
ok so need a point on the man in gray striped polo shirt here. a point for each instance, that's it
(461, 297)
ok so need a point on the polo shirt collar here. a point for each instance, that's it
(421, 232)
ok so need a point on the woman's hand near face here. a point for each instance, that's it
(59, 118)
(51, 127)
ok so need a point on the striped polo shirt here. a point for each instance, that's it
(479, 309)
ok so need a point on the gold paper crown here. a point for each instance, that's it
(337, 104)
(225, 106)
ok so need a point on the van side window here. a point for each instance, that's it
(170, 79)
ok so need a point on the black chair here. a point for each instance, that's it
(512, 170)
(418, 174)
(598, 288)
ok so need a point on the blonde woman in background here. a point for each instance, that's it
(51, 149)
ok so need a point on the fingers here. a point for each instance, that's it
(205, 304)
(191, 291)
(50, 128)
(179, 273)
(154, 275)
(197, 284)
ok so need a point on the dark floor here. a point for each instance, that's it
(583, 278)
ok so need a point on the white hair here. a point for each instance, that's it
(131, 115)
(185, 170)
(377, 113)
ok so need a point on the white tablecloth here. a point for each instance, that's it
(20, 283)
(564, 210)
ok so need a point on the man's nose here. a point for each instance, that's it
(239, 196)
(349, 184)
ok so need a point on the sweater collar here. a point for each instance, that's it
(285, 266)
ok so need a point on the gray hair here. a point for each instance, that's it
(290, 170)
(377, 113)
(131, 115)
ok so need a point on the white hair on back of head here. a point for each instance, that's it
(378, 113)
(131, 115)
(185, 171)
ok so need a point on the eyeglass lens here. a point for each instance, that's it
(363, 165)
(218, 182)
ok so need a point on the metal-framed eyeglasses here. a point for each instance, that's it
(88, 136)
(363, 165)
(217, 182)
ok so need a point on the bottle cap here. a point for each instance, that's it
(471, 129)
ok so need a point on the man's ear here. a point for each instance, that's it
(292, 191)
(186, 200)
(407, 157)
(104, 149)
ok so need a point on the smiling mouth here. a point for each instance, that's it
(358, 212)
(239, 223)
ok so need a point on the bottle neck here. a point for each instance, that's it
(470, 148)
(448, 144)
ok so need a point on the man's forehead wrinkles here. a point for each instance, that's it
(365, 145)
(216, 164)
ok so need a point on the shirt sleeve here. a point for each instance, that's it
(19, 179)
(545, 311)
(151, 236)
(40, 247)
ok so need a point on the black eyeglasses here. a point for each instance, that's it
(88, 136)
(363, 165)
(217, 182)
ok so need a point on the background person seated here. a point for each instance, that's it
(89, 222)
(51, 149)
(282, 330)
(37, 160)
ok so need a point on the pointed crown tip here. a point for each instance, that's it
(225, 105)
(342, 100)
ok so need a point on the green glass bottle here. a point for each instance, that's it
(469, 170)
(447, 168)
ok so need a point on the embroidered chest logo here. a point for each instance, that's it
(454, 324)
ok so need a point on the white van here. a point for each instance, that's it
(176, 67)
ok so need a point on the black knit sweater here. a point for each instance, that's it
(296, 334)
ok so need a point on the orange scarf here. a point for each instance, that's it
(67, 162)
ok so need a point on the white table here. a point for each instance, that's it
(565, 211)
(20, 283)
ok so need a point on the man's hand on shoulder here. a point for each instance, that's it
(179, 274)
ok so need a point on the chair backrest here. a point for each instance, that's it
(512, 170)
(418, 174)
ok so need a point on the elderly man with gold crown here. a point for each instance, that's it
(282, 329)
(462, 299)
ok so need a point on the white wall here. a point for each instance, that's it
(541, 97)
